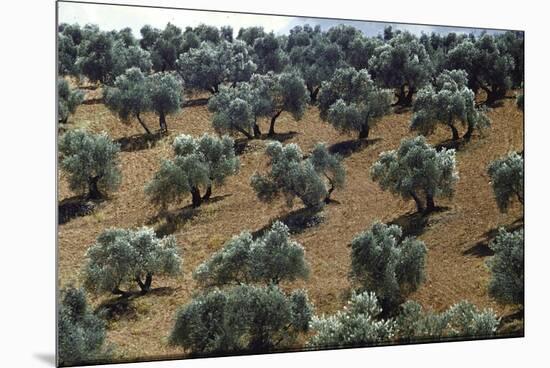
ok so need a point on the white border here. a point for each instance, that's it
(28, 201)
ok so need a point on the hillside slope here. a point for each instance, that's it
(456, 237)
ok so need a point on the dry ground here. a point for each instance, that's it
(456, 237)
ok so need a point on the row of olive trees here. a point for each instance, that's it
(208, 57)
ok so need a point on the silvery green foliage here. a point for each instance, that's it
(80, 334)
(513, 44)
(507, 267)
(198, 163)
(130, 95)
(402, 63)
(90, 161)
(330, 166)
(126, 57)
(207, 33)
(315, 58)
(233, 109)
(166, 46)
(269, 54)
(67, 53)
(462, 319)
(290, 176)
(488, 67)
(166, 94)
(95, 56)
(210, 65)
(358, 324)
(250, 34)
(241, 318)
(67, 100)
(343, 35)
(350, 101)
(506, 175)
(120, 257)
(386, 263)
(450, 100)
(417, 170)
(272, 258)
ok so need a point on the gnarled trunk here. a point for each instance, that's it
(364, 131)
(272, 124)
(430, 205)
(162, 122)
(93, 189)
(145, 286)
(455, 132)
(143, 124)
(469, 132)
(257, 131)
(196, 197)
(417, 201)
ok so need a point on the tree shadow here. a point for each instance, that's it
(414, 223)
(347, 148)
(195, 102)
(481, 248)
(240, 145)
(93, 101)
(451, 144)
(281, 137)
(401, 109)
(512, 324)
(121, 307)
(297, 221)
(138, 142)
(174, 220)
(73, 207)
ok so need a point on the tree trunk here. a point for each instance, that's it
(419, 205)
(272, 124)
(145, 286)
(143, 124)
(400, 96)
(313, 94)
(196, 197)
(122, 293)
(93, 190)
(162, 122)
(409, 97)
(430, 205)
(208, 193)
(364, 132)
(455, 132)
(244, 132)
(331, 189)
(257, 131)
(469, 132)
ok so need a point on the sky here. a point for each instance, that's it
(109, 17)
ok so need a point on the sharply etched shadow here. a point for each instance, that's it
(281, 137)
(347, 148)
(481, 248)
(415, 223)
(297, 221)
(139, 142)
(93, 101)
(73, 207)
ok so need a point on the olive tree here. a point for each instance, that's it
(316, 62)
(358, 324)
(489, 68)
(269, 259)
(507, 267)
(197, 163)
(250, 34)
(67, 100)
(445, 103)
(95, 56)
(80, 334)
(205, 67)
(130, 96)
(67, 53)
(126, 57)
(385, 262)
(506, 175)
(165, 46)
(462, 319)
(291, 176)
(269, 54)
(417, 170)
(121, 257)
(402, 64)
(166, 94)
(241, 318)
(350, 101)
(90, 161)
